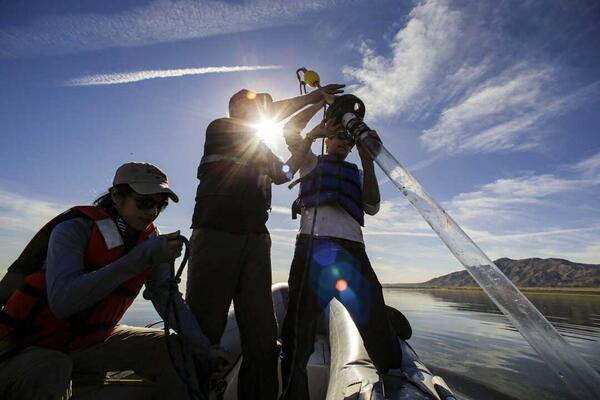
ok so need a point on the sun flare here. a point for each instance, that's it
(269, 131)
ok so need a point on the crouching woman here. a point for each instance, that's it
(64, 296)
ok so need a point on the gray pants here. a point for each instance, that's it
(225, 267)
(37, 373)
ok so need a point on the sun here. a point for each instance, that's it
(269, 131)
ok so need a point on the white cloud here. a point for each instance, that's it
(534, 186)
(520, 217)
(507, 199)
(281, 210)
(503, 113)
(574, 244)
(488, 237)
(156, 22)
(18, 212)
(590, 167)
(397, 217)
(496, 111)
(454, 63)
(136, 76)
(420, 52)
(532, 216)
(20, 218)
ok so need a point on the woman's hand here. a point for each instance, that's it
(174, 246)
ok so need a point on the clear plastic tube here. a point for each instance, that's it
(580, 378)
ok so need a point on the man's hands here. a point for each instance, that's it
(324, 129)
(282, 109)
(328, 92)
(174, 245)
(319, 131)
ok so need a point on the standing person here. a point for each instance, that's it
(334, 196)
(230, 245)
(65, 294)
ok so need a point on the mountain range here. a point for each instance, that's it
(531, 272)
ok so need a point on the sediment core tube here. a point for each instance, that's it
(579, 377)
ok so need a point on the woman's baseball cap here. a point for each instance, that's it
(144, 178)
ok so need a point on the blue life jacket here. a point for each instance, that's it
(340, 182)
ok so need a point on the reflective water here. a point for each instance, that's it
(462, 336)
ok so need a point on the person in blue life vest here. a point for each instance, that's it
(230, 257)
(65, 294)
(330, 259)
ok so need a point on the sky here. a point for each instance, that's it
(492, 106)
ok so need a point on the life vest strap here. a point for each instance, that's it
(324, 191)
(40, 302)
(36, 310)
(32, 291)
(8, 320)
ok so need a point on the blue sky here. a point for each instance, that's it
(493, 106)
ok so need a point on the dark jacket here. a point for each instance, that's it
(236, 173)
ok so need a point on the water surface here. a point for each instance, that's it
(462, 336)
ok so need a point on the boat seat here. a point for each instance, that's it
(121, 385)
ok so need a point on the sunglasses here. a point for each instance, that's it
(342, 136)
(147, 202)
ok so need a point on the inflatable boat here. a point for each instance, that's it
(339, 368)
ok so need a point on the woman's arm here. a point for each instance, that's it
(70, 288)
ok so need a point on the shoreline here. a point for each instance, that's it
(553, 290)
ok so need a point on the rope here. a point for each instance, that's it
(184, 373)
(306, 270)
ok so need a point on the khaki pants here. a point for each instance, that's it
(39, 373)
(225, 267)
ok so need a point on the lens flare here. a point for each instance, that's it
(269, 131)
(341, 285)
(250, 95)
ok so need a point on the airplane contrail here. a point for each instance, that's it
(136, 76)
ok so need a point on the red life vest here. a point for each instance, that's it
(26, 317)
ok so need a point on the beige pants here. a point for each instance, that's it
(38, 373)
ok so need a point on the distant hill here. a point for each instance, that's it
(531, 272)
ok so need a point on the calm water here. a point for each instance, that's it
(463, 337)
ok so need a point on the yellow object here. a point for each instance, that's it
(312, 79)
